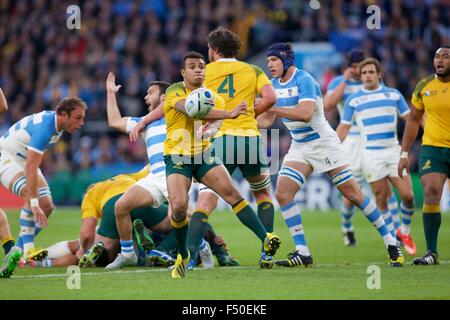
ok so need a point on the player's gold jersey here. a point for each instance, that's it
(181, 138)
(99, 193)
(433, 96)
(236, 81)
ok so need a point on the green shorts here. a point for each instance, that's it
(150, 216)
(196, 166)
(434, 159)
(245, 153)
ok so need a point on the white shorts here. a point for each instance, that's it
(323, 154)
(156, 184)
(352, 147)
(378, 164)
(9, 167)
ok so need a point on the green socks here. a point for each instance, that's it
(431, 224)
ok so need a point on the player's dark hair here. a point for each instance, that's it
(373, 61)
(224, 41)
(444, 47)
(162, 85)
(69, 104)
(191, 55)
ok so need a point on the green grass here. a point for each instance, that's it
(338, 273)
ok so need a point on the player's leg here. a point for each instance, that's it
(29, 229)
(108, 229)
(255, 171)
(381, 191)
(433, 184)
(60, 254)
(343, 179)
(404, 188)
(393, 208)
(347, 212)
(178, 186)
(219, 180)
(6, 237)
(135, 197)
(291, 178)
(206, 203)
(219, 247)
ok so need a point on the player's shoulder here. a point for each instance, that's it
(176, 87)
(337, 80)
(354, 96)
(302, 75)
(423, 83)
(392, 91)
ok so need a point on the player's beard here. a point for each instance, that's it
(444, 74)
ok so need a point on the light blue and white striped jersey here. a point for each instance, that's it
(375, 112)
(154, 136)
(352, 87)
(36, 132)
(302, 87)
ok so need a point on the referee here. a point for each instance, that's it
(431, 96)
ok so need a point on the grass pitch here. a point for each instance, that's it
(338, 272)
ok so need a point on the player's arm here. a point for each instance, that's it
(342, 130)
(413, 122)
(154, 115)
(3, 103)
(209, 129)
(267, 100)
(32, 164)
(347, 119)
(216, 114)
(336, 91)
(303, 112)
(266, 119)
(87, 233)
(115, 119)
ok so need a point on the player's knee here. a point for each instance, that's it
(431, 190)
(179, 205)
(283, 198)
(122, 208)
(408, 199)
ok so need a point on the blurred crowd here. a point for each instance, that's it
(41, 60)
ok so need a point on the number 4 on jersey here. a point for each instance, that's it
(227, 86)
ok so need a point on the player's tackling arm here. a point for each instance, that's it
(342, 130)
(154, 115)
(115, 119)
(3, 103)
(267, 100)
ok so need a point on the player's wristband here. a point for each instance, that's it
(34, 202)
(404, 155)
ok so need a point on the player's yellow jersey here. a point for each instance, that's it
(181, 138)
(99, 193)
(433, 96)
(236, 81)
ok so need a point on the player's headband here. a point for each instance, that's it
(284, 52)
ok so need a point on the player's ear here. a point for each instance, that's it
(162, 98)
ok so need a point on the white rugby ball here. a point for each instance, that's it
(199, 103)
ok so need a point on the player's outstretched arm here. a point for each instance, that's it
(409, 135)
(115, 119)
(267, 100)
(87, 233)
(3, 103)
(222, 114)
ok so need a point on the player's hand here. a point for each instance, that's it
(39, 216)
(348, 74)
(134, 134)
(111, 83)
(403, 167)
(204, 131)
(240, 109)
